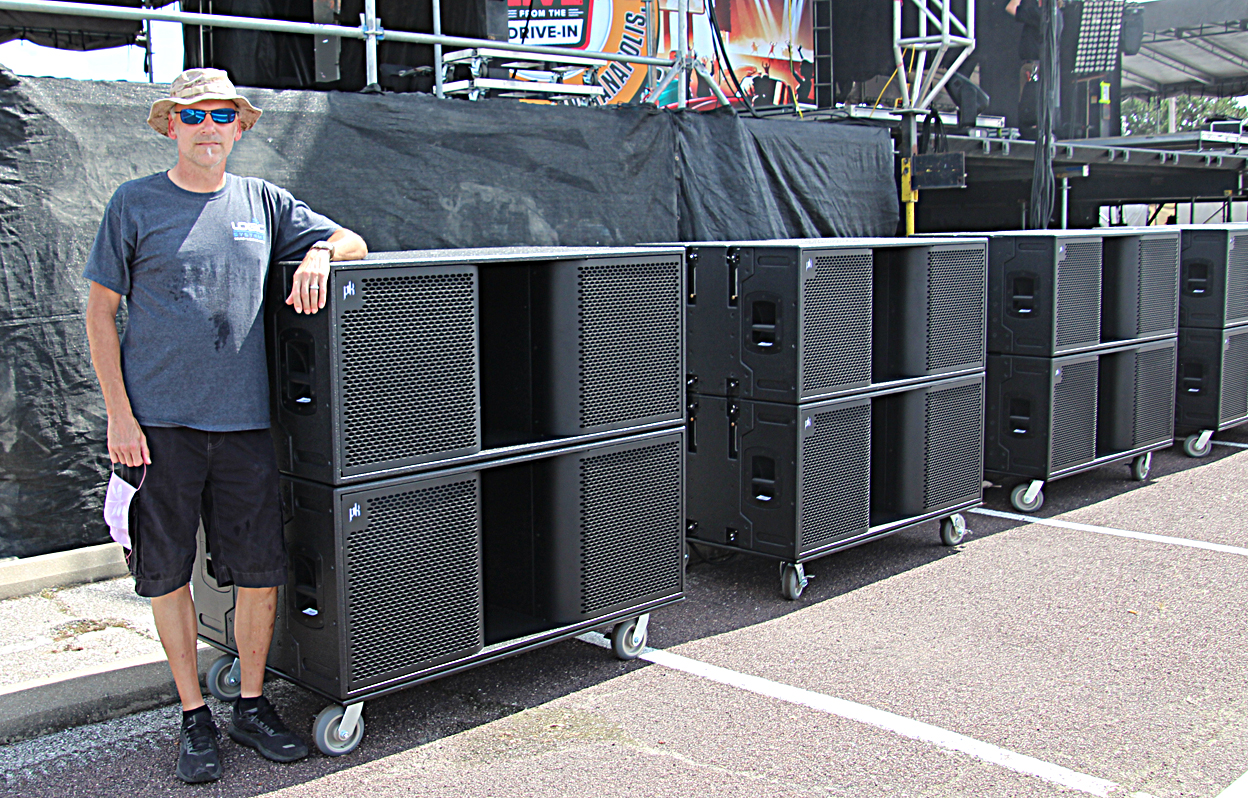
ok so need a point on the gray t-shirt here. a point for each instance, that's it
(192, 268)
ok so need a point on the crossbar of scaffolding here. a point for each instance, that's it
(370, 31)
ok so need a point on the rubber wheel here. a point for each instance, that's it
(622, 644)
(1192, 450)
(1141, 466)
(1016, 499)
(218, 678)
(325, 732)
(791, 586)
(951, 532)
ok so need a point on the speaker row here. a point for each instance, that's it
(1213, 379)
(1049, 417)
(799, 321)
(421, 358)
(403, 579)
(798, 481)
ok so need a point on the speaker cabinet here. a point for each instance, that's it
(1041, 414)
(384, 378)
(928, 446)
(1213, 277)
(791, 322)
(391, 579)
(1044, 293)
(783, 480)
(1136, 397)
(384, 581)
(1212, 390)
(1140, 291)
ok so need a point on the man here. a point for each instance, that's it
(187, 391)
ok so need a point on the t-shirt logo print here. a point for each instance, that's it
(249, 231)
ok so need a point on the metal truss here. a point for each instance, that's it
(940, 32)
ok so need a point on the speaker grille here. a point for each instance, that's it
(1159, 285)
(1078, 286)
(409, 354)
(631, 525)
(836, 485)
(955, 308)
(630, 345)
(1237, 281)
(836, 323)
(1074, 415)
(953, 462)
(414, 580)
(1154, 396)
(1234, 377)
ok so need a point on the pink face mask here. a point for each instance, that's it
(117, 507)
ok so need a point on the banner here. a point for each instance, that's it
(769, 42)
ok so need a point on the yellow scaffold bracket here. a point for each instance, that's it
(909, 195)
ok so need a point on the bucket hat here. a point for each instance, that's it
(195, 85)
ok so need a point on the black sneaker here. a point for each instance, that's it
(263, 730)
(199, 760)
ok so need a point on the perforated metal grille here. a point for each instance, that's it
(1234, 378)
(836, 323)
(414, 579)
(1074, 415)
(631, 525)
(1154, 396)
(630, 345)
(836, 477)
(954, 461)
(409, 368)
(1237, 281)
(955, 307)
(1159, 285)
(1078, 286)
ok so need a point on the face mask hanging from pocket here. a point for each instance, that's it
(117, 507)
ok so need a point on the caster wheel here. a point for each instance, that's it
(1017, 499)
(1192, 447)
(1141, 465)
(953, 530)
(223, 680)
(626, 644)
(793, 581)
(325, 732)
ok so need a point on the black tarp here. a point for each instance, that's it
(69, 32)
(407, 171)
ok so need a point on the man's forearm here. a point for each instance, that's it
(106, 354)
(347, 245)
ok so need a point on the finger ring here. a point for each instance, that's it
(314, 287)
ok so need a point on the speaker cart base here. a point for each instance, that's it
(339, 727)
(1028, 496)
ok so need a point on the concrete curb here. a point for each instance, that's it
(42, 706)
(32, 574)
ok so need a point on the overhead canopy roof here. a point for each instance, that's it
(1190, 47)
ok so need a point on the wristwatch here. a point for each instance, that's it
(328, 246)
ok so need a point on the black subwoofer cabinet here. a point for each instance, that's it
(1140, 287)
(399, 580)
(384, 378)
(1213, 276)
(803, 320)
(425, 357)
(1212, 379)
(1136, 401)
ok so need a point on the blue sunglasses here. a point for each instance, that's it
(194, 116)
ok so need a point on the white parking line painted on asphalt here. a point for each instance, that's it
(1120, 533)
(915, 730)
(1236, 445)
(1239, 789)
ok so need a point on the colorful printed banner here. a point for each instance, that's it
(770, 42)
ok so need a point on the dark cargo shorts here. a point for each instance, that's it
(230, 480)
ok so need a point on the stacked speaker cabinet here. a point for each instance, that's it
(483, 451)
(1082, 341)
(1212, 389)
(835, 392)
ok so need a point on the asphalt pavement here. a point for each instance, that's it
(1098, 653)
